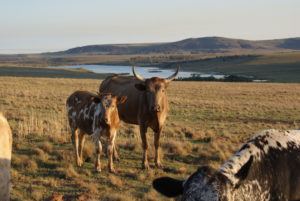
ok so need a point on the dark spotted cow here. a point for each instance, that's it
(93, 114)
(266, 168)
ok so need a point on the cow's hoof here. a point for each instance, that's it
(145, 166)
(79, 163)
(112, 171)
(159, 165)
(116, 158)
(98, 170)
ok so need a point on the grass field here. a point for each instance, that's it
(206, 124)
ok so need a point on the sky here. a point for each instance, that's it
(33, 26)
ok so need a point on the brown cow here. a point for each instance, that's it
(89, 113)
(146, 105)
(5, 157)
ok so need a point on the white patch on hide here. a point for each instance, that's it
(276, 139)
(97, 116)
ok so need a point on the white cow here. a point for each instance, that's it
(5, 158)
(266, 168)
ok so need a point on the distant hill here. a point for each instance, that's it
(191, 45)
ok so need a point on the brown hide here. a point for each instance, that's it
(146, 105)
(137, 110)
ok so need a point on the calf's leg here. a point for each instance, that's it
(81, 145)
(75, 145)
(110, 149)
(98, 147)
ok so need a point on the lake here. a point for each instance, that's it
(146, 72)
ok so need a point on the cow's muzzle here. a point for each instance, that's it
(106, 120)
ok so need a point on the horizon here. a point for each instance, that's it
(58, 50)
(49, 26)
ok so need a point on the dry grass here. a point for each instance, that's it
(116, 197)
(88, 150)
(174, 147)
(31, 166)
(70, 172)
(207, 122)
(115, 181)
(128, 144)
(46, 146)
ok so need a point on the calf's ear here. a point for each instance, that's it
(168, 186)
(121, 99)
(140, 87)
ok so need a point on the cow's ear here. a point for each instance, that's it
(140, 87)
(243, 172)
(121, 99)
(168, 186)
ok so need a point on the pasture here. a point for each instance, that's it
(207, 122)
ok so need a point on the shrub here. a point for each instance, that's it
(174, 147)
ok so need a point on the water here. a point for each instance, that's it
(146, 72)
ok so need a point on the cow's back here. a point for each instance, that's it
(275, 167)
(125, 86)
(80, 98)
(80, 108)
(5, 157)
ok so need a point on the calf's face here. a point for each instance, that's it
(109, 107)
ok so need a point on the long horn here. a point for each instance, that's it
(137, 75)
(172, 77)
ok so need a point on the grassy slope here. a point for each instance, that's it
(284, 67)
(206, 123)
(276, 67)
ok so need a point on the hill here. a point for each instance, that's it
(191, 45)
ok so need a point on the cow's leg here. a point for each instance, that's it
(157, 144)
(143, 130)
(110, 149)
(75, 145)
(116, 155)
(98, 147)
(81, 145)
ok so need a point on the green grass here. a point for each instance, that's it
(50, 73)
(274, 68)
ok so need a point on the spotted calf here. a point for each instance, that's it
(96, 115)
(265, 168)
